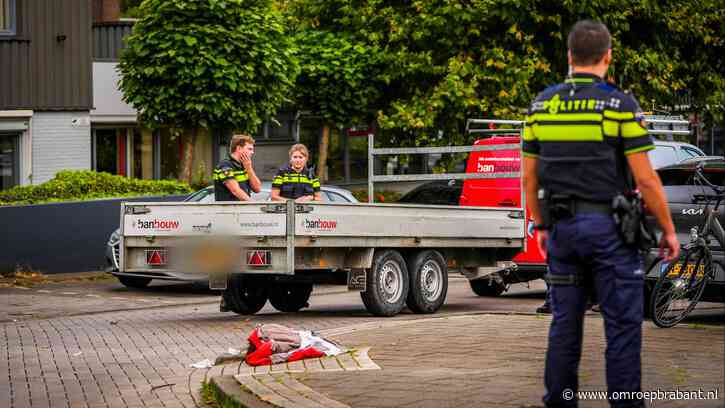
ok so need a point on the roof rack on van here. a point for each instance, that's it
(667, 125)
(373, 151)
(492, 126)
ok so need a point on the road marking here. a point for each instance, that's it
(43, 291)
(68, 293)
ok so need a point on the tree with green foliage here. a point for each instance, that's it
(448, 60)
(338, 82)
(193, 64)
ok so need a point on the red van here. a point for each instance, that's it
(502, 192)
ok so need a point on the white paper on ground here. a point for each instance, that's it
(202, 364)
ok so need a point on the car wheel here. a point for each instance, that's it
(290, 297)
(428, 282)
(387, 283)
(134, 282)
(243, 295)
(487, 287)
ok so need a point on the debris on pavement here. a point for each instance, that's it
(206, 363)
(274, 343)
(231, 354)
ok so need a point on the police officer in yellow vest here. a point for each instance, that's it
(582, 141)
(234, 177)
(296, 181)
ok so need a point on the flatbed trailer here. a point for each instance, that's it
(394, 254)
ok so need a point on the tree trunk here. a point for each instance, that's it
(187, 158)
(322, 155)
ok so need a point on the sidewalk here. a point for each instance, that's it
(484, 360)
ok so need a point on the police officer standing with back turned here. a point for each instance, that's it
(582, 140)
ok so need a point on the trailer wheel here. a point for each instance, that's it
(487, 287)
(290, 297)
(244, 296)
(428, 282)
(386, 286)
(134, 282)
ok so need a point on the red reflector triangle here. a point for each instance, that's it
(257, 259)
(155, 258)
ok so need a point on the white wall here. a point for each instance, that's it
(60, 141)
(107, 97)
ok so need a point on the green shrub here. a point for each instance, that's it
(380, 196)
(76, 185)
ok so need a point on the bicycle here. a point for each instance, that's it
(681, 283)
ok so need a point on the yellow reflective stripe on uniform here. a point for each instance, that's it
(529, 134)
(632, 129)
(278, 181)
(294, 179)
(568, 133)
(610, 114)
(567, 117)
(611, 128)
(316, 183)
(533, 155)
(640, 149)
(221, 175)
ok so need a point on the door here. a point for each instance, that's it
(9, 160)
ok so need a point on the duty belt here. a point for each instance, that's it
(583, 206)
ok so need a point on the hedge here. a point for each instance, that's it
(77, 185)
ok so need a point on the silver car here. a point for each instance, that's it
(668, 153)
(330, 194)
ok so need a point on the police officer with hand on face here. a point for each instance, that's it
(234, 177)
(582, 141)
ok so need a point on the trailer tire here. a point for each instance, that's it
(428, 281)
(244, 296)
(290, 297)
(387, 283)
(487, 287)
(134, 281)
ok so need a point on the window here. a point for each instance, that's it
(9, 168)
(7, 17)
(283, 127)
(688, 152)
(662, 156)
(107, 151)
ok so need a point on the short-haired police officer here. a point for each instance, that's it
(580, 136)
(234, 177)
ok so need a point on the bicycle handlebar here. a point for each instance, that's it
(719, 190)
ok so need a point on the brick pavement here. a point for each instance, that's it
(141, 357)
(497, 360)
(132, 358)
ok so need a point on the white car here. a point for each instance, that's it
(667, 153)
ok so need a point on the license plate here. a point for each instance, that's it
(259, 257)
(678, 270)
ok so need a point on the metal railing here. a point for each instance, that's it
(373, 151)
(672, 124)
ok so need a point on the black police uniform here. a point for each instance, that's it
(581, 132)
(294, 185)
(230, 169)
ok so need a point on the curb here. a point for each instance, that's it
(277, 386)
(228, 393)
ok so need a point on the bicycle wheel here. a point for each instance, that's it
(680, 287)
